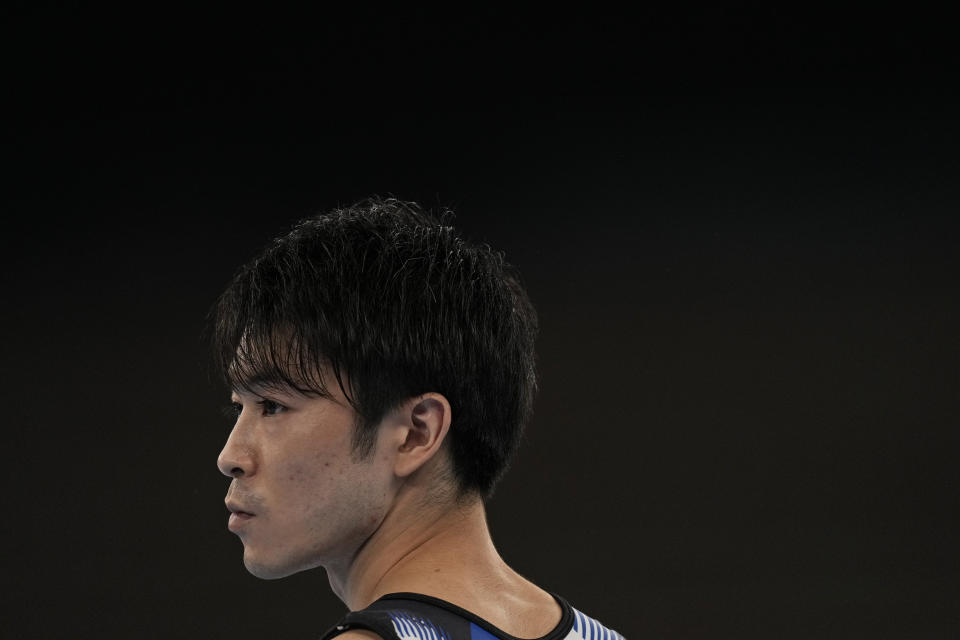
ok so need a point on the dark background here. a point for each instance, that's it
(738, 227)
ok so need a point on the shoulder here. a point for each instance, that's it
(358, 634)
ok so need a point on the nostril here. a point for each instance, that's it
(236, 472)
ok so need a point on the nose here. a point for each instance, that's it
(236, 460)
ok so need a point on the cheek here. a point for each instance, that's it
(326, 484)
(306, 475)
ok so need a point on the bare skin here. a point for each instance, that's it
(388, 523)
(449, 555)
(431, 543)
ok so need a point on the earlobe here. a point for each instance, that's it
(428, 422)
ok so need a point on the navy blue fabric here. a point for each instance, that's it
(411, 616)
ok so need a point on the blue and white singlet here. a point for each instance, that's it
(413, 616)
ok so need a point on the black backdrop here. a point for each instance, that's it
(742, 251)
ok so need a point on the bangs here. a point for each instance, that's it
(261, 342)
(276, 361)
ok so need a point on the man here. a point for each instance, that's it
(382, 370)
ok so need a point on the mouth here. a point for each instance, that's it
(242, 513)
(238, 516)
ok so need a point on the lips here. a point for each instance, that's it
(237, 508)
(239, 515)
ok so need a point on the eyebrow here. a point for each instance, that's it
(254, 385)
(258, 385)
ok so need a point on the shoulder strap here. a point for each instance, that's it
(414, 616)
(377, 621)
(407, 618)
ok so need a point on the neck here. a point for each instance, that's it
(443, 549)
(435, 550)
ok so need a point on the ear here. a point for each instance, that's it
(426, 422)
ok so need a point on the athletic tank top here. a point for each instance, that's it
(413, 616)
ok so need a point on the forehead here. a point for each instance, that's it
(269, 387)
(280, 361)
(275, 365)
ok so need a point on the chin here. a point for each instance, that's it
(266, 572)
(265, 569)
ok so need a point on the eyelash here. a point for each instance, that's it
(268, 408)
(232, 410)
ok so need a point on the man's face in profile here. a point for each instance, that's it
(299, 497)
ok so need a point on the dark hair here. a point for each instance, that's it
(395, 304)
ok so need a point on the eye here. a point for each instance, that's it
(270, 408)
(232, 410)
